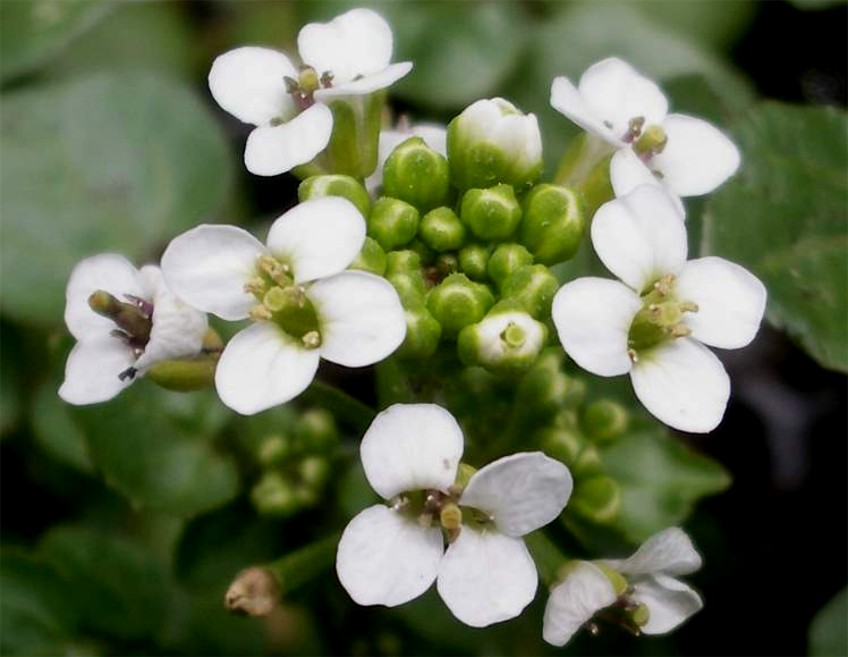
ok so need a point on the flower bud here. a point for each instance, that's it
(425, 254)
(505, 260)
(273, 450)
(422, 333)
(605, 420)
(273, 495)
(493, 142)
(335, 185)
(554, 223)
(534, 287)
(402, 262)
(417, 174)
(474, 261)
(392, 222)
(597, 498)
(562, 443)
(457, 302)
(506, 340)
(542, 391)
(313, 472)
(491, 214)
(442, 230)
(410, 288)
(371, 258)
(317, 430)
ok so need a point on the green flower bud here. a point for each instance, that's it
(474, 261)
(273, 450)
(371, 258)
(410, 288)
(317, 430)
(313, 472)
(335, 185)
(273, 495)
(506, 340)
(588, 461)
(534, 287)
(457, 302)
(561, 443)
(597, 498)
(542, 391)
(605, 420)
(402, 262)
(554, 223)
(505, 260)
(491, 214)
(425, 254)
(422, 333)
(493, 142)
(392, 222)
(442, 230)
(417, 174)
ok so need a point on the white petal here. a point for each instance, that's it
(566, 99)
(318, 238)
(731, 302)
(670, 552)
(697, 157)
(360, 316)
(110, 272)
(387, 559)
(262, 367)
(682, 384)
(272, 150)
(249, 84)
(91, 373)
(592, 317)
(669, 601)
(486, 577)
(411, 447)
(573, 602)
(208, 266)
(358, 42)
(177, 330)
(616, 93)
(521, 492)
(640, 237)
(367, 85)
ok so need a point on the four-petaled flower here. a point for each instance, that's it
(389, 555)
(125, 320)
(349, 56)
(656, 322)
(304, 304)
(643, 592)
(686, 155)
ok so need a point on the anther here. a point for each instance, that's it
(260, 313)
(311, 340)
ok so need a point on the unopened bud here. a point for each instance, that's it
(491, 142)
(506, 340)
(474, 261)
(184, 375)
(605, 420)
(392, 223)
(457, 302)
(505, 260)
(402, 262)
(410, 288)
(273, 495)
(423, 333)
(542, 390)
(534, 287)
(335, 185)
(562, 443)
(554, 223)
(491, 214)
(313, 471)
(317, 430)
(273, 450)
(255, 592)
(417, 174)
(442, 230)
(597, 498)
(371, 258)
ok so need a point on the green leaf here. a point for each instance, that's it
(33, 33)
(119, 589)
(784, 217)
(829, 629)
(660, 478)
(35, 616)
(152, 457)
(103, 163)
(816, 5)
(55, 430)
(716, 25)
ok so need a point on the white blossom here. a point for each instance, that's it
(141, 323)
(686, 155)
(655, 322)
(653, 601)
(349, 56)
(391, 554)
(305, 306)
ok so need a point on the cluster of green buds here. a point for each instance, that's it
(295, 464)
(468, 239)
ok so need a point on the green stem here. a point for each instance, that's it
(300, 567)
(346, 408)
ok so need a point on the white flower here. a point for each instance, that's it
(305, 305)
(655, 323)
(349, 56)
(434, 135)
(653, 601)
(389, 555)
(139, 323)
(688, 156)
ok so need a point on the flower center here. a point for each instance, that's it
(303, 89)
(283, 302)
(134, 321)
(646, 141)
(513, 336)
(660, 318)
